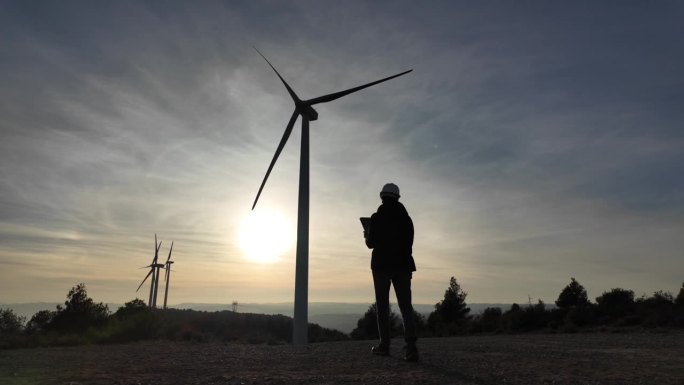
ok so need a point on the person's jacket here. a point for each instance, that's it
(390, 235)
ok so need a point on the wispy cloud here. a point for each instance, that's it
(530, 143)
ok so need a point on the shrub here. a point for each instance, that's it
(535, 316)
(657, 310)
(367, 326)
(79, 312)
(319, 334)
(138, 326)
(131, 308)
(40, 321)
(679, 301)
(616, 303)
(581, 315)
(421, 324)
(531, 317)
(10, 323)
(512, 319)
(488, 321)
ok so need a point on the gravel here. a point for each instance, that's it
(635, 358)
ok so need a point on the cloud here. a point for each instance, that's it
(530, 143)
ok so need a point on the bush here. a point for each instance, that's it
(40, 321)
(512, 319)
(131, 308)
(535, 316)
(143, 325)
(421, 324)
(581, 316)
(10, 323)
(531, 317)
(657, 310)
(679, 301)
(367, 326)
(616, 303)
(488, 321)
(80, 312)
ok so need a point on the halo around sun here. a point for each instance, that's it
(265, 234)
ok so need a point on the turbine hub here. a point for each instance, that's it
(310, 113)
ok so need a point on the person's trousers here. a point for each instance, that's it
(401, 280)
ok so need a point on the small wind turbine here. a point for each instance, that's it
(167, 278)
(154, 266)
(303, 108)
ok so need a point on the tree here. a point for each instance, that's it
(80, 311)
(512, 319)
(451, 311)
(679, 301)
(616, 303)
(130, 308)
(10, 322)
(367, 326)
(573, 295)
(488, 321)
(657, 310)
(40, 321)
(679, 308)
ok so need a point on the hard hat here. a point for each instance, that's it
(390, 190)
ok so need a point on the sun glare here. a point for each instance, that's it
(265, 235)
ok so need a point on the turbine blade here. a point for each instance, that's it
(170, 250)
(337, 95)
(156, 253)
(286, 135)
(143, 281)
(294, 96)
(155, 246)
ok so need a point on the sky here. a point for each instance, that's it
(533, 142)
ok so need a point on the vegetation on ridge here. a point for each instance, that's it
(615, 310)
(82, 321)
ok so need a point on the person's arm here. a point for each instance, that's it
(370, 236)
(410, 228)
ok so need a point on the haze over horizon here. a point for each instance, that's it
(532, 143)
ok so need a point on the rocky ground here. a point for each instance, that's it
(635, 358)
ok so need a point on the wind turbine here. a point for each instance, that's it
(305, 109)
(154, 266)
(167, 278)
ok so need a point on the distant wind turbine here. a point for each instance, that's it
(303, 108)
(167, 277)
(154, 272)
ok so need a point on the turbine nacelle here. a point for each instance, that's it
(308, 111)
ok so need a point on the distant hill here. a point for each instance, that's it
(333, 315)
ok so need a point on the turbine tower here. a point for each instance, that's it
(305, 109)
(167, 278)
(156, 266)
(155, 277)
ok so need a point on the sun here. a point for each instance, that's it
(265, 235)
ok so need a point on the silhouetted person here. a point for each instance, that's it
(390, 235)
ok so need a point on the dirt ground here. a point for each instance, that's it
(643, 358)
